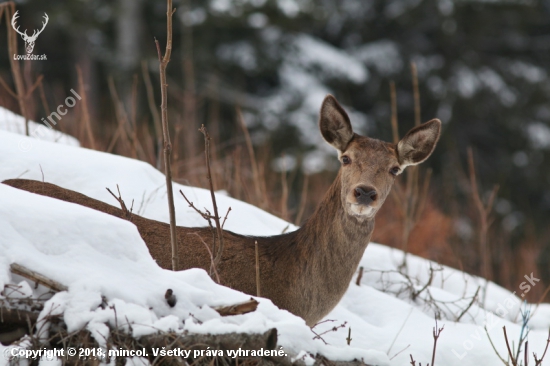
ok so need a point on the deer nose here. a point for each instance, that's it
(365, 195)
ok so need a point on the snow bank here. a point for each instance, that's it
(98, 255)
(12, 122)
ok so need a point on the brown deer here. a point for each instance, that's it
(306, 271)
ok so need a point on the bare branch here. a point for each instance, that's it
(257, 269)
(127, 213)
(212, 265)
(225, 218)
(37, 277)
(166, 132)
(436, 334)
(514, 362)
(218, 256)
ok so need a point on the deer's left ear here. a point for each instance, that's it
(334, 124)
(419, 143)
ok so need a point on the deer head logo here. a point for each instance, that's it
(29, 40)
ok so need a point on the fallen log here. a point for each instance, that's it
(37, 277)
(238, 309)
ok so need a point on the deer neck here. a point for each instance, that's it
(332, 232)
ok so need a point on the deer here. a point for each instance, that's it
(29, 40)
(306, 271)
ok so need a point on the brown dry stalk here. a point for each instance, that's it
(127, 213)
(359, 277)
(410, 199)
(394, 126)
(85, 112)
(43, 99)
(154, 110)
(416, 94)
(120, 116)
(15, 66)
(484, 212)
(133, 111)
(284, 195)
(436, 333)
(216, 217)
(303, 201)
(163, 63)
(189, 101)
(257, 269)
(538, 361)
(252, 155)
(512, 359)
(212, 265)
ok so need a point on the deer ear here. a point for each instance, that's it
(419, 143)
(334, 124)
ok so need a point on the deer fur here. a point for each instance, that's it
(306, 271)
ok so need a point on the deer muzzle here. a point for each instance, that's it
(365, 195)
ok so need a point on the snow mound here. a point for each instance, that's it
(12, 122)
(97, 255)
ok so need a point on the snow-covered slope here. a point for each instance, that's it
(99, 255)
(12, 122)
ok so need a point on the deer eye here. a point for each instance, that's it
(346, 160)
(394, 171)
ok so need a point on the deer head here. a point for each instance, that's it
(369, 166)
(29, 40)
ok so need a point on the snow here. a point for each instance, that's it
(468, 82)
(539, 135)
(311, 53)
(12, 122)
(99, 256)
(383, 55)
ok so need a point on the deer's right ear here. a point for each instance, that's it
(334, 124)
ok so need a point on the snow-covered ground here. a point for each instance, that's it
(97, 255)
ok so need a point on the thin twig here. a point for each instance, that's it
(218, 256)
(163, 63)
(85, 112)
(400, 330)
(398, 353)
(349, 339)
(539, 361)
(436, 334)
(258, 293)
(204, 215)
(127, 213)
(514, 362)
(469, 305)
(359, 276)
(154, 111)
(394, 126)
(213, 266)
(252, 155)
(494, 348)
(416, 94)
(225, 218)
(483, 211)
(303, 201)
